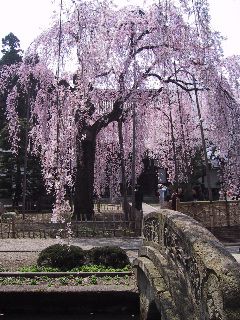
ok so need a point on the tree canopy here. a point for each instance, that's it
(163, 63)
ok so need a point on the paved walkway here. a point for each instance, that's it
(131, 245)
(15, 253)
(26, 245)
(235, 251)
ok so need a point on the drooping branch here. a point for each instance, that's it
(176, 82)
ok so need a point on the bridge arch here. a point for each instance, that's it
(184, 272)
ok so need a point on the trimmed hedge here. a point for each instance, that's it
(61, 256)
(66, 257)
(109, 256)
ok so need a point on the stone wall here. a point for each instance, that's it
(184, 272)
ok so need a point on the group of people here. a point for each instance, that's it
(165, 195)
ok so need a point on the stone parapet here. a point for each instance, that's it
(199, 276)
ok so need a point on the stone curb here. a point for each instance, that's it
(66, 289)
(64, 274)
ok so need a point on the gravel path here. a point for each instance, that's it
(15, 253)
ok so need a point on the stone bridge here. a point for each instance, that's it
(184, 272)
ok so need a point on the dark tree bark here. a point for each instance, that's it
(210, 196)
(86, 148)
(124, 183)
(84, 184)
(174, 146)
(18, 184)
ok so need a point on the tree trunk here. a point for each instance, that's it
(25, 160)
(86, 148)
(184, 148)
(124, 184)
(84, 183)
(203, 144)
(174, 146)
(18, 184)
(133, 212)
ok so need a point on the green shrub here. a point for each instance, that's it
(60, 256)
(109, 256)
(93, 280)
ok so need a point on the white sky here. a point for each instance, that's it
(26, 19)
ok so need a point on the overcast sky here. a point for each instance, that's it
(26, 19)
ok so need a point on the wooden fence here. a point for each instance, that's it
(108, 221)
(78, 229)
(100, 206)
(212, 214)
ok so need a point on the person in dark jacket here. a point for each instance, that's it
(178, 194)
(138, 197)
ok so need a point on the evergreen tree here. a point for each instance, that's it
(10, 179)
(11, 50)
(11, 166)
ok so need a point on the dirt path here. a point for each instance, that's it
(15, 253)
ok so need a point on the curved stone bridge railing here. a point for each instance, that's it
(184, 272)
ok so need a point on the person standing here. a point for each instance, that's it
(161, 195)
(177, 195)
(138, 198)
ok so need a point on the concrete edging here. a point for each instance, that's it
(64, 274)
